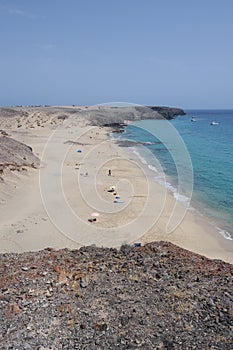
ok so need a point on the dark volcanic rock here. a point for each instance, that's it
(129, 143)
(154, 297)
(168, 112)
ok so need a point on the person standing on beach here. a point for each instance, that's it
(110, 172)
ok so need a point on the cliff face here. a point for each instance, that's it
(168, 112)
(111, 115)
(154, 297)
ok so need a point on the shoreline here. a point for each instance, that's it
(210, 230)
(196, 205)
(208, 234)
(29, 225)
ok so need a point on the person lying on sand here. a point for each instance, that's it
(92, 220)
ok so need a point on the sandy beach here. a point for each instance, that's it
(53, 206)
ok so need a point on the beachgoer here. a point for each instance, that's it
(110, 172)
(92, 220)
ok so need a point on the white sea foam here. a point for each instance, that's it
(140, 157)
(149, 143)
(161, 180)
(153, 168)
(190, 208)
(225, 234)
(181, 197)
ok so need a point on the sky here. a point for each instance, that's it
(150, 52)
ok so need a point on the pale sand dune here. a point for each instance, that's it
(60, 220)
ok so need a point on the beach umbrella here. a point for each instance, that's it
(95, 214)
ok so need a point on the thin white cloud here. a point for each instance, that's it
(21, 13)
(13, 11)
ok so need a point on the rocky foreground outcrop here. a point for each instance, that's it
(154, 297)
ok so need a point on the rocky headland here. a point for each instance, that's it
(15, 155)
(168, 112)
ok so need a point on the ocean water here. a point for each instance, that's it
(210, 148)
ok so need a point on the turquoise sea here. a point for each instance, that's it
(211, 151)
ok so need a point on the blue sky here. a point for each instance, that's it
(158, 52)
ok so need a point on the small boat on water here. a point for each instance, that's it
(193, 119)
(214, 123)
